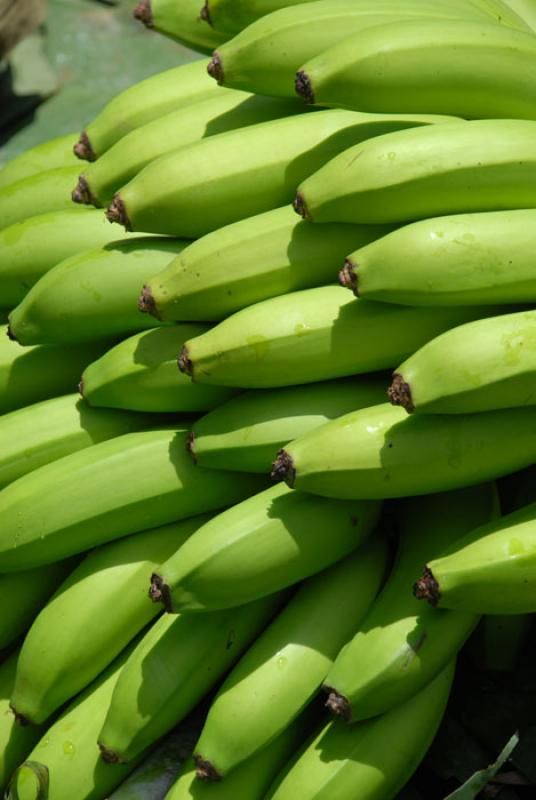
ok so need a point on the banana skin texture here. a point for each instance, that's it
(180, 21)
(92, 295)
(244, 433)
(56, 152)
(463, 259)
(239, 173)
(222, 272)
(140, 373)
(380, 452)
(478, 165)
(37, 194)
(260, 546)
(284, 668)
(173, 667)
(142, 480)
(401, 646)
(497, 369)
(93, 615)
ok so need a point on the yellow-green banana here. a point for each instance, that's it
(456, 260)
(223, 271)
(401, 645)
(381, 452)
(472, 69)
(244, 433)
(140, 373)
(479, 165)
(92, 294)
(56, 152)
(284, 668)
(480, 366)
(125, 485)
(180, 20)
(239, 173)
(525, 9)
(44, 191)
(173, 667)
(259, 546)
(94, 614)
(371, 760)
(313, 335)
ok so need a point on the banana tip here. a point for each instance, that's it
(205, 13)
(146, 303)
(110, 756)
(20, 719)
(144, 12)
(117, 212)
(283, 469)
(427, 588)
(399, 393)
(300, 206)
(205, 770)
(81, 386)
(10, 334)
(185, 362)
(190, 445)
(215, 67)
(82, 194)
(348, 277)
(159, 592)
(338, 704)
(304, 87)
(83, 148)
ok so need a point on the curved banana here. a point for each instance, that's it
(244, 433)
(140, 373)
(237, 174)
(180, 21)
(57, 152)
(222, 273)
(479, 165)
(92, 294)
(122, 486)
(381, 452)
(44, 191)
(189, 654)
(259, 546)
(401, 645)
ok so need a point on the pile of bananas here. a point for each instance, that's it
(155, 560)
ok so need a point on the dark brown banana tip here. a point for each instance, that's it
(348, 277)
(215, 67)
(190, 445)
(117, 212)
(82, 194)
(146, 303)
(110, 756)
(205, 13)
(427, 588)
(10, 334)
(300, 207)
(159, 592)
(144, 13)
(338, 705)
(20, 719)
(205, 770)
(304, 87)
(399, 393)
(83, 149)
(283, 469)
(185, 362)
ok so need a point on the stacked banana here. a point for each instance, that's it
(155, 561)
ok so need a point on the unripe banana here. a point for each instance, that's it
(140, 373)
(244, 433)
(31, 374)
(313, 335)
(223, 273)
(456, 260)
(259, 546)
(525, 9)
(480, 366)
(470, 69)
(371, 760)
(284, 668)
(45, 191)
(56, 152)
(147, 100)
(125, 485)
(92, 294)
(480, 165)
(214, 114)
(401, 646)
(381, 452)
(180, 20)
(490, 570)
(31, 247)
(189, 654)
(94, 614)
(237, 174)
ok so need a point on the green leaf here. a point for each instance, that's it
(472, 787)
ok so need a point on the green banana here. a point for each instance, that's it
(490, 570)
(180, 21)
(31, 374)
(470, 69)
(94, 614)
(282, 671)
(380, 452)
(45, 191)
(31, 247)
(455, 260)
(222, 272)
(189, 654)
(265, 56)
(479, 165)
(140, 373)
(401, 646)
(497, 370)
(259, 546)
(147, 100)
(244, 433)
(125, 485)
(239, 173)
(371, 760)
(526, 9)
(92, 294)
(214, 114)
(313, 335)
(56, 152)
